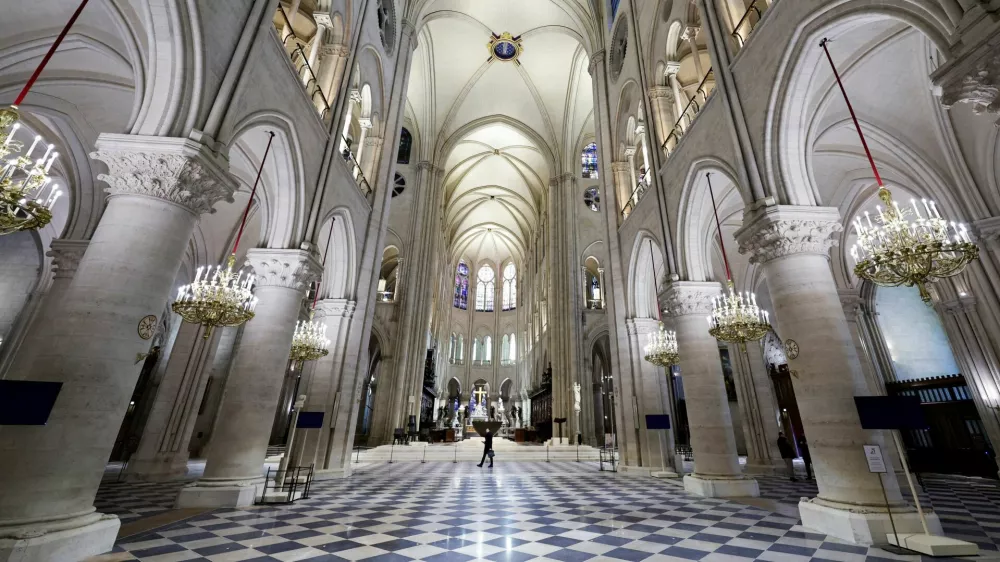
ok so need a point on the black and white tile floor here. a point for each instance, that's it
(528, 511)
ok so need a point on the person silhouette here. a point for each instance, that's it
(487, 448)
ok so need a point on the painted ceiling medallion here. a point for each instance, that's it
(505, 47)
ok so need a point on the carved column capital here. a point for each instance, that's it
(779, 231)
(335, 308)
(973, 77)
(851, 300)
(682, 298)
(988, 229)
(596, 60)
(181, 171)
(690, 33)
(672, 68)
(620, 167)
(664, 92)
(66, 256)
(293, 269)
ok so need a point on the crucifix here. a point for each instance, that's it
(480, 393)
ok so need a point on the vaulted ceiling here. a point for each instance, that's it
(500, 129)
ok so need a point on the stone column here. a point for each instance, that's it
(717, 470)
(759, 409)
(332, 60)
(322, 392)
(239, 440)
(661, 99)
(621, 172)
(652, 398)
(690, 35)
(66, 256)
(369, 158)
(163, 450)
(792, 245)
(158, 187)
(564, 333)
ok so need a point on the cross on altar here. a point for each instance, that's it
(480, 393)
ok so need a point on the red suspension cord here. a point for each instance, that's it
(329, 242)
(48, 55)
(253, 192)
(850, 108)
(718, 226)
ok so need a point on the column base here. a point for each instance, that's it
(862, 524)
(331, 474)
(65, 540)
(765, 467)
(222, 493)
(156, 470)
(664, 474)
(721, 486)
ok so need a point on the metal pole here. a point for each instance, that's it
(888, 510)
(909, 480)
(391, 449)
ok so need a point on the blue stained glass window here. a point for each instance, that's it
(589, 161)
(462, 286)
(504, 50)
(614, 10)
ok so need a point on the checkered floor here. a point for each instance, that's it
(516, 511)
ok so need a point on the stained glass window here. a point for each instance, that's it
(485, 289)
(589, 161)
(509, 287)
(462, 286)
(405, 144)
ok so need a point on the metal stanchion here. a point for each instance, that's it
(391, 449)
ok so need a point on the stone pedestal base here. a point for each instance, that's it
(155, 470)
(860, 525)
(765, 468)
(664, 474)
(61, 541)
(332, 474)
(721, 487)
(220, 494)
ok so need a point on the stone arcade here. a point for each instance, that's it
(490, 206)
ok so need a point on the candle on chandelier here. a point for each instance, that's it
(38, 139)
(10, 136)
(915, 210)
(52, 159)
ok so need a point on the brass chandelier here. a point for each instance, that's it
(222, 297)
(27, 193)
(736, 317)
(310, 342)
(894, 249)
(662, 347)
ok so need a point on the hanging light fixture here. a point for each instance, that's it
(310, 342)
(662, 347)
(221, 296)
(27, 193)
(735, 318)
(894, 250)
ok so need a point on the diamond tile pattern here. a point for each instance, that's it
(531, 511)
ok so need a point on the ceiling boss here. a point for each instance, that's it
(505, 47)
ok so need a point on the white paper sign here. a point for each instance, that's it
(873, 454)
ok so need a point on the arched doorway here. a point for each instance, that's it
(602, 387)
(454, 401)
(504, 402)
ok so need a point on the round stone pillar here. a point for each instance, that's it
(792, 245)
(717, 470)
(49, 474)
(66, 256)
(234, 473)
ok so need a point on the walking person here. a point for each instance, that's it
(806, 458)
(788, 455)
(487, 448)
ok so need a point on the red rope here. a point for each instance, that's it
(656, 283)
(850, 108)
(253, 192)
(718, 226)
(329, 242)
(48, 55)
